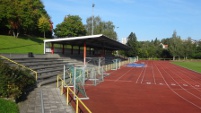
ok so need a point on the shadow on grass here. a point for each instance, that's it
(35, 39)
(19, 46)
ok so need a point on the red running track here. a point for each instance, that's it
(160, 87)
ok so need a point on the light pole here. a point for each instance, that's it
(92, 20)
(116, 32)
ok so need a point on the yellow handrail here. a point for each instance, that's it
(36, 74)
(69, 90)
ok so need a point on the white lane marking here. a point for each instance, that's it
(173, 84)
(176, 92)
(160, 83)
(148, 82)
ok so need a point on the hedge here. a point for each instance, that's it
(14, 80)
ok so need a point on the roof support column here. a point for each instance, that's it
(44, 47)
(85, 53)
(103, 51)
(79, 51)
(63, 49)
(52, 48)
(89, 51)
(71, 49)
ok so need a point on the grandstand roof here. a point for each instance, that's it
(93, 41)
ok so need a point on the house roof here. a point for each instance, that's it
(93, 41)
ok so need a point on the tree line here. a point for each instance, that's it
(72, 26)
(175, 48)
(28, 17)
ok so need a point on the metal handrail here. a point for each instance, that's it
(78, 100)
(36, 74)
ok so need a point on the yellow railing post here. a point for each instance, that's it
(76, 105)
(68, 91)
(57, 81)
(67, 96)
(62, 87)
(36, 75)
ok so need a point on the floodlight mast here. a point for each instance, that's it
(92, 20)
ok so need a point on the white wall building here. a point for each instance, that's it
(124, 40)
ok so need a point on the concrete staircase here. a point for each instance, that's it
(45, 100)
(47, 68)
(46, 97)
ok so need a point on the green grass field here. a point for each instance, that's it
(7, 106)
(9, 44)
(193, 65)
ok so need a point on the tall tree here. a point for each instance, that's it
(175, 46)
(142, 49)
(187, 47)
(108, 30)
(101, 27)
(12, 16)
(133, 44)
(97, 27)
(31, 11)
(44, 25)
(70, 27)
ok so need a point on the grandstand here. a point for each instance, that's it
(93, 54)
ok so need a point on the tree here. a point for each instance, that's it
(30, 12)
(71, 26)
(133, 44)
(197, 51)
(101, 27)
(188, 48)
(12, 16)
(21, 16)
(108, 30)
(44, 25)
(142, 49)
(151, 50)
(175, 45)
(96, 25)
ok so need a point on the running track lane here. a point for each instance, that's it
(160, 87)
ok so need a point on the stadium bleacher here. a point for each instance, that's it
(46, 66)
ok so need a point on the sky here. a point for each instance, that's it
(148, 19)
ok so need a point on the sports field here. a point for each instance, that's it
(159, 87)
(193, 65)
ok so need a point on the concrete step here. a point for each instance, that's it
(49, 74)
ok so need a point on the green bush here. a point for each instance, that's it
(14, 80)
(197, 55)
(7, 106)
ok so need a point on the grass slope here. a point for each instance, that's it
(193, 65)
(9, 44)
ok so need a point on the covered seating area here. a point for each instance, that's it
(84, 46)
(94, 51)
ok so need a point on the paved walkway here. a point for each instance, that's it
(46, 97)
